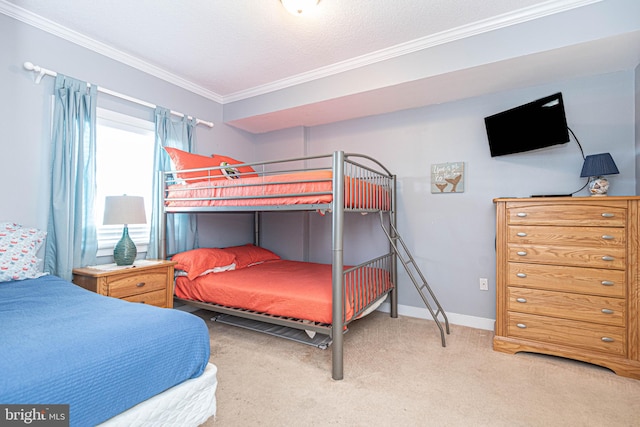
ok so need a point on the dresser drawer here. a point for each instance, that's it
(588, 308)
(601, 237)
(157, 298)
(568, 255)
(134, 284)
(590, 336)
(566, 215)
(595, 281)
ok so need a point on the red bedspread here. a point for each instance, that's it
(310, 187)
(295, 289)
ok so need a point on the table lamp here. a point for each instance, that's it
(124, 210)
(596, 167)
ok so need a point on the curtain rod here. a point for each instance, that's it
(41, 72)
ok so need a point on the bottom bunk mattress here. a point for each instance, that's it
(300, 290)
(62, 344)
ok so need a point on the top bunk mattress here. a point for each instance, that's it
(62, 344)
(294, 188)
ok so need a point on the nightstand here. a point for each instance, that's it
(147, 281)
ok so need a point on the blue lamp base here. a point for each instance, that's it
(125, 252)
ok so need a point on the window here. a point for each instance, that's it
(124, 165)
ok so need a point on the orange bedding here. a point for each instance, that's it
(282, 189)
(301, 290)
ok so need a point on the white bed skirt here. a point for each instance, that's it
(190, 403)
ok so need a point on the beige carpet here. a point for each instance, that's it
(398, 374)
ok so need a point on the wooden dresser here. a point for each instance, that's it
(567, 279)
(148, 282)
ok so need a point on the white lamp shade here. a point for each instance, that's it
(124, 210)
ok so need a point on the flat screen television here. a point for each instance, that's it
(538, 124)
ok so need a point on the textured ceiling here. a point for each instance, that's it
(228, 47)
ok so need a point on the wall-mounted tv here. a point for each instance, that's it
(538, 124)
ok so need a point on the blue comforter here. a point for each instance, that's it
(61, 344)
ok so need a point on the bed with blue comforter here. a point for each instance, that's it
(61, 344)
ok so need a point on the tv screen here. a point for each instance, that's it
(538, 124)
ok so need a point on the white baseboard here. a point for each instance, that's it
(454, 318)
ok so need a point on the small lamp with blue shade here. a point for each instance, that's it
(596, 167)
(124, 210)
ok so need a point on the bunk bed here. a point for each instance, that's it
(336, 183)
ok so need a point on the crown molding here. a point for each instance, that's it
(51, 27)
(491, 24)
(494, 23)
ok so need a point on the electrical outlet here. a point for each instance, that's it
(484, 284)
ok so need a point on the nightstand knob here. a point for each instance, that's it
(521, 214)
(607, 311)
(608, 258)
(522, 300)
(523, 275)
(607, 339)
(141, 284)
(608, 237)
(607, 283)
(607, 215)
(523, 326)
(521, 234)
(522, 253)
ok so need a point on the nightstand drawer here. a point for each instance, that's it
(157, 298)
(148, 281)
(588, 308)
(602, 338)
(134, 284)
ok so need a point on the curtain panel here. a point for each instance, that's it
(181, 229)
(71, 229)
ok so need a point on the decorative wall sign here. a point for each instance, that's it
(447, 178)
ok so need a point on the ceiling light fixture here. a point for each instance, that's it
(299, 7)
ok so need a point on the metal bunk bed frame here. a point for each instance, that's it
(340, 162)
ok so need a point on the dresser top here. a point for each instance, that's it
(566, 199)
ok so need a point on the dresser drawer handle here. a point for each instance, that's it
(608, 237)
(608, 258)
(522, 300)
(141, 284)
(522, 253)
(607, 339)
(523, 275)
(521, 234)
(521, 214)
(607, 311)
(607, 283)
(607, 215)
(523, 326)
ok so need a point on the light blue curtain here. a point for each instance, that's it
(71, 231)
(181, 229)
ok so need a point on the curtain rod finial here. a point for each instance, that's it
(36, 69)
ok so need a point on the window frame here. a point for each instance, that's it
(109, 235)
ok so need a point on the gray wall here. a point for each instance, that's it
(452, 235)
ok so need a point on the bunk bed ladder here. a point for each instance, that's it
(421, 285)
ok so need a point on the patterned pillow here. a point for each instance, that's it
(18, 252)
